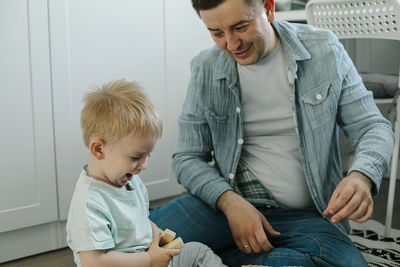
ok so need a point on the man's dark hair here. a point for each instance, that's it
(199, 5)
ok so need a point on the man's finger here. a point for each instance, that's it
(263, 241)
(349, 208)
(254, 246)
(342, 200)
(360, 212)
(268, 228)
(243, 245)
(333, 198)
(367, 215)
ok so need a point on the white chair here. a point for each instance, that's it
(371, 19)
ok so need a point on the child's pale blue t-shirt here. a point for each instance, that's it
(103, 217)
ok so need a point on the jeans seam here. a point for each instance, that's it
(322, 253)
(273, 254)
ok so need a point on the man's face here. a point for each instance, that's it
(243, 32)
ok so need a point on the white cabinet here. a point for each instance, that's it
(94, 42)
(28, 178)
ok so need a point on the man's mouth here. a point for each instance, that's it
(242, 54)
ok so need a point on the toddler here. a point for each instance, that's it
(108, 222)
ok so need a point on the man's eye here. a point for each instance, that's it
(218, 34)
(241, 28)
(135, 159)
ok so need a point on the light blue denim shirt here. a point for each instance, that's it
(326, 93)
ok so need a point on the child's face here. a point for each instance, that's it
(125, 158)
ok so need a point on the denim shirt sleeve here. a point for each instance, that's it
(190, 161)
(370, 134)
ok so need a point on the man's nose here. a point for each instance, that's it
(232, 42)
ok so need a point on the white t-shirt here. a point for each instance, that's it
(271, 147)
(103, 217)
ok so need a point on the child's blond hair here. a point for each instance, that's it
(116, 110)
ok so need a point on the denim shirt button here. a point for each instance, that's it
(237, 110)
(231, 176)
(318, 96)
(240, 141)
(290, 77)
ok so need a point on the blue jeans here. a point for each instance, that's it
(306, 238)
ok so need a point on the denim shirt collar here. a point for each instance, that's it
(293, 48)
(296, 50)
(226, 68)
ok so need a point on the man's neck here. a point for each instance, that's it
(275, 37)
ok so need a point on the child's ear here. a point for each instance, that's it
(96, 148)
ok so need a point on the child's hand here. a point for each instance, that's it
(160, 257)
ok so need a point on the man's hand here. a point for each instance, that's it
(247, 224)
(351, 199)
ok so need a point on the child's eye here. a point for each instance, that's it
(135, 159)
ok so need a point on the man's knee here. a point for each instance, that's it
(340, 252)
(350, 256)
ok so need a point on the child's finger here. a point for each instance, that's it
(156, 238)
(173, 251)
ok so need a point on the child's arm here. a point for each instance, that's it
(113, 258)
(154, 257)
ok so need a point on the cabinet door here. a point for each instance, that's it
(28, 181)
(94, 42)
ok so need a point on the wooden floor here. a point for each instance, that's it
(64, 257)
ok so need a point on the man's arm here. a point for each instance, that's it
(194, 146)
(371, 136)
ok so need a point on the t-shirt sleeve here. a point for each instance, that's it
(89, 228)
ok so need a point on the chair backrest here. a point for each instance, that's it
(356, 18)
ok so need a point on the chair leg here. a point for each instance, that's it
(393, 174)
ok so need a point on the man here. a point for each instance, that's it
(258, 143)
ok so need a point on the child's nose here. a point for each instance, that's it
(142, 164)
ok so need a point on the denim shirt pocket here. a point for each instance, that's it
(219, 124)
(320, 105)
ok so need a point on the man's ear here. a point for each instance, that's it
(270, 9)
(96, 148)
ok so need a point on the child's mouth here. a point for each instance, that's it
(129, 176)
